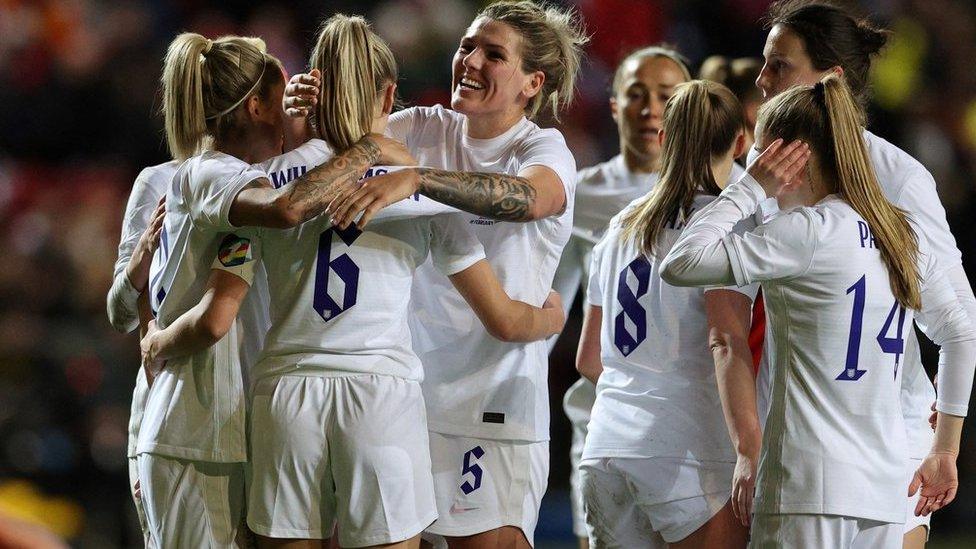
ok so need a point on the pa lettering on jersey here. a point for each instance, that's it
(865, 236)
(280, 178)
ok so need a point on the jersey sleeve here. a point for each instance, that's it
(920, 198)
(212, 188)
(944, 320)
(594, 284)
(239, 253)
(548, 148)
(453, 247)
(749, 290)
(122, 297)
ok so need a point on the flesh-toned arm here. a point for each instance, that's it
(505, 318)
(729, 315)
(588, 361)
(201, 326)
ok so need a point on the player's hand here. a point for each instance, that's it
(778, 168)
(372, 196)
(150, 363)
(138, 268)
(744, 487)
(392, 152)
(301, 94)
(938, 480)
(554, 305)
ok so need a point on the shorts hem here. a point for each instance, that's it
(677, 534)
(473, 529)
(285, 533)
(361, 541)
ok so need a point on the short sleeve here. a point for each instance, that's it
(594, 283)
(782, 248)
(212, 187)
(401, 124)
(453, 246)
(239, 253)
(548, 148)
(920, 198)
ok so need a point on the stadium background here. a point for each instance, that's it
(78, 101)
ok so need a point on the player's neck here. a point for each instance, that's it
(250, 151)
(491, 125)
(640, 163)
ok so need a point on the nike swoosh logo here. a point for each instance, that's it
(455, 509)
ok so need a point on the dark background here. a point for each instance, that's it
(78, 120)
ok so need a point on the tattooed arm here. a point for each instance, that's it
(260, 205)
(535, 193)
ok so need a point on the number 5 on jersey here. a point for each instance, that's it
(330, 304)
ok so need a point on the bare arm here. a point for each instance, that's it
(536, 193)
(260, 205)
(729, 317)
(588, 362)
(505, 318)
(203, 325)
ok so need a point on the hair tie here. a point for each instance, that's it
(208, 46)
(264, 65)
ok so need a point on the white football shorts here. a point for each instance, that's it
(349, 449)
(192, 503)
(801, 531)
(483, 484)
(631, 502)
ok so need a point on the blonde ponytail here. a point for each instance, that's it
(701, 122)
(356, 65)
(827, 117)
(205, 82)
(856, 180)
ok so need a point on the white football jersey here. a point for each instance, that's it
(196, 406)
(908, 185)
(340, 298)
(834, 441)
(150, 185)
(476, 385)
(657, 395)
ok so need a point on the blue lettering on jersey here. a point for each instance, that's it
(864, 233)
(282, 177)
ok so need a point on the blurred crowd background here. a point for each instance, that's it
(78, 119)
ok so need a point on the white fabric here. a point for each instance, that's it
(910, 186)
(834, 442)
(483, 484)
(577, 404)
(630, 502)
(192, 503)
(351, 450)
(469, 373)
(123, 312)
(820, 531)
(339, 298)
(133, 469)
(196, 406)
(657, 395)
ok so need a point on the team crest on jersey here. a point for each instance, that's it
(234, 251)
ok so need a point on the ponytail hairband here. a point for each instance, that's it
(264, 66)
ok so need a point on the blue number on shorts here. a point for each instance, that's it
(343, 266)
(632, 309)
(889, 345)
(472, 468)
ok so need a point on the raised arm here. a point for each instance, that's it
(729, 317)
(261, 205)
(140, 236)
(505, 318)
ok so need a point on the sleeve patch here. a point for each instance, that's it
(234, 251)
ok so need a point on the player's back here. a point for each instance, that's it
(834, 441)
(657, 395)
